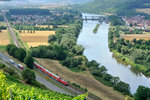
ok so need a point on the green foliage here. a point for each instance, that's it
(18, 53)
(78, 50)
(11, 72)
(142, 93)
(29, 61)
(100, 73)
(96, 28)
(115, 20)
(12, 88)
(71, 62)
(122, 87)
(51, 38)
(28, 75)
(2, 66)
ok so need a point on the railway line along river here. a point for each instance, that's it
(96, 48)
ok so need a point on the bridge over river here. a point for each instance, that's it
(96, 18)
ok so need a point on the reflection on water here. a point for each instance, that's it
(96, 48)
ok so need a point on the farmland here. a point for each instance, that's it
(4, 40)
(44, 26)
(37, 38)
(136, 36)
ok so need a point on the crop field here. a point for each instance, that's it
(146, 10)
(37, 38)
(65, 26)
(136, 36)
(4, 39)
(44, 26)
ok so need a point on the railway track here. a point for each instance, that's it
(11, 31)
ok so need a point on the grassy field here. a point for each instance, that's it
(37, 38)
(2, 47)
(4, 39)
(85, 80)
(145, 10)
(136, 36)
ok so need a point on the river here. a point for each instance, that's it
(96, 48)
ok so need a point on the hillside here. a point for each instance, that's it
(129, 8)
(20, 91)
(102, 6)
(121, 7)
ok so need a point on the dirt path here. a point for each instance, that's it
(83, 79)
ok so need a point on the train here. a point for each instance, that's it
(50, 74)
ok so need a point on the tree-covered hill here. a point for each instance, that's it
(121, 7)
(98, 6)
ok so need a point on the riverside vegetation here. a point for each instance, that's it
(63, 47)
(135, 52)
(96, 28)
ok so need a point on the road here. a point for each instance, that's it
(41, 80)
(11, 31)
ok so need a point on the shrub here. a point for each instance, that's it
(2, 66)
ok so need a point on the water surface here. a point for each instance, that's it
(96, 48)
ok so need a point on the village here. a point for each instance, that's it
(137, 22)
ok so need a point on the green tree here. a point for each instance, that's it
(143, 93)
(78, 49)
(51, 38)
(20, 54)
(28, 75)
(29, 61)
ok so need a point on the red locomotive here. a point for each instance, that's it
(50, 73)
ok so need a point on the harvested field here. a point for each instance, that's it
(83, 79)
(34, 38)
(65, 26)
(38, 33)
(35, 44)
(146, 10)
(44, 26)
(136, 36)
(4, 39)
(37, 38)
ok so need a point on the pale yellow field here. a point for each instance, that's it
(62, 26)
(37, 38)
(44, 26)
(146, 10)
(4, 39)
(136, 36)
(38, 33)
(35, 44)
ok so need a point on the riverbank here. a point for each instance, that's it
(96, 28)
(125, 60)
(124, 51)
